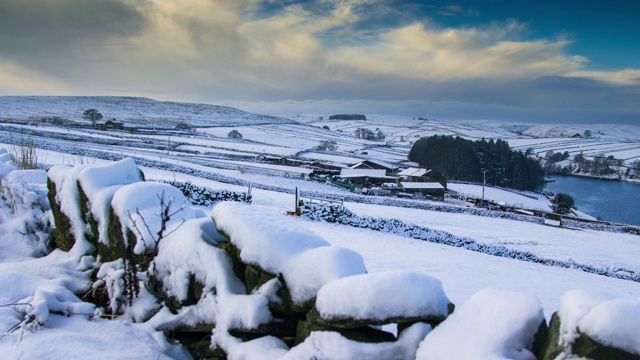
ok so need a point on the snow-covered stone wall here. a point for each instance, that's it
(247, 283)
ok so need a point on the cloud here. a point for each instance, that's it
(616, 77)
(212, 50)
(17, 80)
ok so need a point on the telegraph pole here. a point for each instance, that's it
(484, 180)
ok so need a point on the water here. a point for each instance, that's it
(613, 201)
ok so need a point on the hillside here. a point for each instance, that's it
(135, 110)
(46, 311)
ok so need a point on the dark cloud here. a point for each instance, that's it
(45, 33)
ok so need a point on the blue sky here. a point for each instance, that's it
(518, 60)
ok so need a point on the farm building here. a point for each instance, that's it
(376, 165)
(364, 177)
(428, 189)
(422, 175)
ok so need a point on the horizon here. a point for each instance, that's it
(522, 61)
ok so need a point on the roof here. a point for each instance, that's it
(421, 185)
(377, 173)
(383, 164)
(414, 172)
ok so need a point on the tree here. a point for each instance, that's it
(329, 145)
(234, 134)
(92, 115)
(460, 159)
(183, 126)
(564, 203)
(587, 133)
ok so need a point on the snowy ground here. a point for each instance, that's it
(24, 275)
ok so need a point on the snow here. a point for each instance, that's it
(373, 173)
(523, 199)
(332, 345)
(413, 172)
(284, 246)
(610, 321)
(382, 295)
(56, 281)
(100, 182)
(65, 179)
(492, 324)
(138, 206)
(421, 185)
(190, 251)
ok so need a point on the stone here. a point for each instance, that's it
(62, 234)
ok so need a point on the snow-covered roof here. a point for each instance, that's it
(377, 162)
(421, 185)
(372, 173)
(414, 172)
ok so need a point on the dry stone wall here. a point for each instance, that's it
(233, 285)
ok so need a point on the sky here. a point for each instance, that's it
(520, 60)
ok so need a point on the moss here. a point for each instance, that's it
(93, 235)
(120, 247)
(348, 323)
(255, 277)
(540, 340)
(365, 334)
(198, 344)
(585, 346)
(547, 346)
(239, 268)
(63, 236)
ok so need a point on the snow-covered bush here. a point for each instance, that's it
(23, 194)
(199, 195)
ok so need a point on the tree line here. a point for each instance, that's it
(461, 159)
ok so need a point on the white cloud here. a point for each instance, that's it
(614, 77)
(417, 51)
(210, 50)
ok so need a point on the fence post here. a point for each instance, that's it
(298, 211)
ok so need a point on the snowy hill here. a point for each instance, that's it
(135, 110)
(45, 313)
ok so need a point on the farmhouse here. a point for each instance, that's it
(422, 175)
(116, 125)
(390, 169)
(364, 177)
(428, 189)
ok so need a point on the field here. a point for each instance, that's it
(205, 156)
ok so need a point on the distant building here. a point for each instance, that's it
(116, 125)
(364, 177)
(422, 175)
(390, 169)
(433, 190)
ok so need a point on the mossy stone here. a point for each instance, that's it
(547, 346)
(93, 234)
(239, 268)
(62, 234)
(365, 334)
(349, 323)
(587, 347)
(255, 277)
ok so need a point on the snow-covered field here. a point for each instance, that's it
(26, 276)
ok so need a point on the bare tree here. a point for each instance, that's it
(92, 115)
